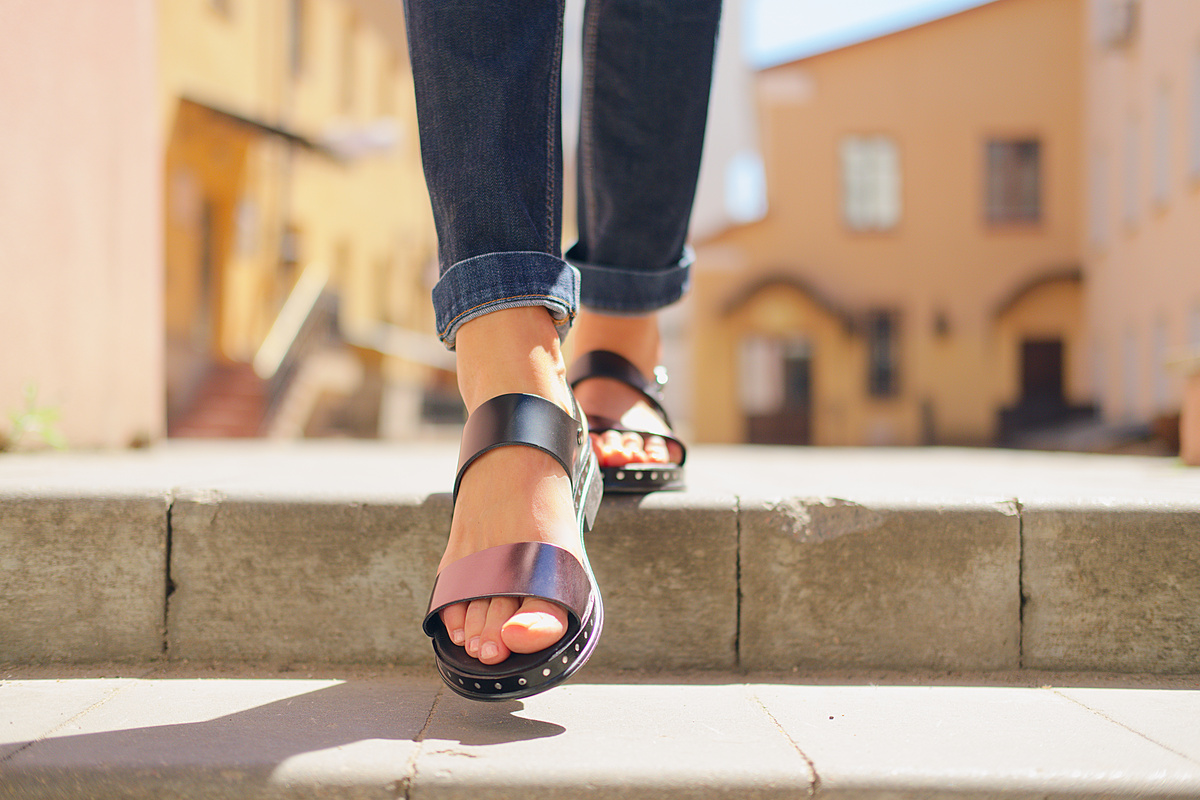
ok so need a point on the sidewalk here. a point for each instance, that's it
(186, 732)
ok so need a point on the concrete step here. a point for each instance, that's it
(774, 559)
(189, 732)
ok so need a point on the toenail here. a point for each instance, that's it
(473, 646)
(458, 636)
(490, 650)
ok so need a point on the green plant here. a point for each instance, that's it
(34, 423)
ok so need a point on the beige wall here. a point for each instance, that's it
(1143, 242)
(1012, 68)
(81, 305)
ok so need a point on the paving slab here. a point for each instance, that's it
(82, 576)
(586, 741)
(868, 742)
(33, 710)
(836, 583)
(228, 738)
(1167, 717)
(1116, 586)
(352, 732)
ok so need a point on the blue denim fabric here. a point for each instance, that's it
(488, 105)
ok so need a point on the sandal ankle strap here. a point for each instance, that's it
(607, 364)
(521, 419)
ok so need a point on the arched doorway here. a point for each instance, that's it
(1040, 333)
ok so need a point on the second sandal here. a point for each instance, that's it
(633, 477)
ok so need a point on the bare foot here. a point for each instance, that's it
(510, 494)
(637, 339)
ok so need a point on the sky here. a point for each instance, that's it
(777, 31)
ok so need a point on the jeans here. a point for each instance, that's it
(487, 79)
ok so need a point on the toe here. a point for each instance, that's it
(632, 449)
(610, 452)
(476, 618)
(492, 649)
(455, 620)
(656, 450)
(537, 625)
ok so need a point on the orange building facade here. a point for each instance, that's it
(918, 277)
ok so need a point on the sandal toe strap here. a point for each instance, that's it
(523, 569)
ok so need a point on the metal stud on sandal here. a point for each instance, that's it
(527, 569)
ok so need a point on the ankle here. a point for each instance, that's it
(512, 350)
(636, 338)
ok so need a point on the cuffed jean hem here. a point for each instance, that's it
(618, 291)
(496, 281)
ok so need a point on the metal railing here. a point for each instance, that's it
(309, 320)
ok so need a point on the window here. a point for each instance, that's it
(381, 295)
(1162, 146)
(1131, 376)
(882, 354)
(296, 18)
(290, 255)
(745, 187)
(348, 76)
(870, 182)
(1098, 201)
(1158, 356)
(1195, 166)
(1014, 175)
(389, 68)
(1116, 22)
(342, 266)
(1131, 172)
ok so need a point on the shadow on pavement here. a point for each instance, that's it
(375, 722)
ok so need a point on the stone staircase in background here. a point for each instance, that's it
(231, 402)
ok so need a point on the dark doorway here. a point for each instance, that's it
(785, 365)
(1043, 404)
(1042, 372)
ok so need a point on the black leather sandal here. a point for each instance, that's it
(527, 569)
(631, 478)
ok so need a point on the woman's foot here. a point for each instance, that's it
(637, 339)
(510, 494)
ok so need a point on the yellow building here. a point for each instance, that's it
(1143, 238)
(918, 274)
(290, 147)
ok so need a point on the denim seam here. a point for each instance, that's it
(587, 102)
(510, 298)
(553, 93)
